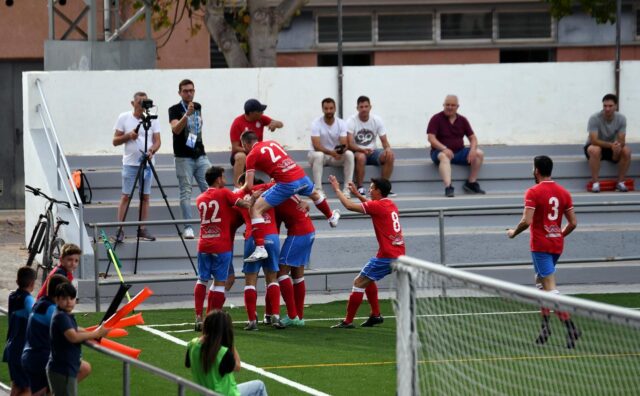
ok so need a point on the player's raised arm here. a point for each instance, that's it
(346, 202)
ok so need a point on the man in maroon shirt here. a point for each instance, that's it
(252, 120)
(446, 132)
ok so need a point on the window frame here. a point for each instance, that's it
(553, 31)
(431, 13)
(345, 43)
(447, 10)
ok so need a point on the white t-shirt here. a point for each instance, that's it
(127, 123)
(329, 134)
(364, 133)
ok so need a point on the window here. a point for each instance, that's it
(524, 25)
(466, 26)
(355, 28)
(407, 27)
(527, 55)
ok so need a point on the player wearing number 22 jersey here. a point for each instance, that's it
(386, 224)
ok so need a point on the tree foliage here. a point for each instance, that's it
(603, 11)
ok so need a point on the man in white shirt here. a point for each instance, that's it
(329, 145)
(363, 128)
(131, 133)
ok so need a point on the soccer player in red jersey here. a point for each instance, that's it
(216, 241)
(544, 206)
(386, 224)
(294, 256)
(290, 179)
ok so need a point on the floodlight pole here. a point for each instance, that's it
(340, 72)
(617, 67)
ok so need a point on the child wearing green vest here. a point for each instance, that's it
(213, 359)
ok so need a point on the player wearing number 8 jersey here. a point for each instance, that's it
(386, 223)
(545, 204)
(270, 158)
(216, 241)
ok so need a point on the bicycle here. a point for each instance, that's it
(44, 238)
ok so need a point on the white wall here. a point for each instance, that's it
(542, 103)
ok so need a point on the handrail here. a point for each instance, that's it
(128, 361)
(63, 175)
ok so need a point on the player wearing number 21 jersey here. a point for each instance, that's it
(386, 223)
(216, 240)
(545, 204)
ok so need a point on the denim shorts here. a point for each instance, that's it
(374, 157)
(459, 157)
(129, 173)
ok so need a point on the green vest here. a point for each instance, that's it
(212, 380)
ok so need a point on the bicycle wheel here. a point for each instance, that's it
(54, 255)
(37, 239)
(45, 263)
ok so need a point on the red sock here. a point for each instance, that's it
(323, 206)
(250, 300)
(299, 291)
(257, 230)
(215, 300)
(355, 299)
(545, 311)
(273, 295)
(199, 293)
(372, 297)
(563, 315)
(286, 288)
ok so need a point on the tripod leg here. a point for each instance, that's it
(166, 201)
(143, 164)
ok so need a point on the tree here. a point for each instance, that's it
(245, 31)
(602, 10)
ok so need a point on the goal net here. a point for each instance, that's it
(459, 333)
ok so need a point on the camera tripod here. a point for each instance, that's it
(144, 163)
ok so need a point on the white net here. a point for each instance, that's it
(460, 334)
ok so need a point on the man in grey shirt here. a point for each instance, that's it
(607, 132)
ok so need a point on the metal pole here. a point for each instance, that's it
(126, 379)
(340, 71)
(617, 71)
(181, 390)
(52, 30)
(441, 234)
(107, 19)
(92, 24)
(96, 267)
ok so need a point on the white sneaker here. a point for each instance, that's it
(346, 193)
(621, 187)
(188, 233)
(595, 187)
(259, 254)
(333, 220)
(361, 191)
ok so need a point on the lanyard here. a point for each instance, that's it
(193, 121)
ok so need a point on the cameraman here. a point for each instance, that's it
(131, 133)
(328, 145)
(190, 159)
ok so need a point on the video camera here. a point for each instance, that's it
(146, 104)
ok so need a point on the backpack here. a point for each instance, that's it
(82, 185)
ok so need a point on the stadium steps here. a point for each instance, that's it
(475, 238)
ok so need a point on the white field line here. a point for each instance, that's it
(247, 366)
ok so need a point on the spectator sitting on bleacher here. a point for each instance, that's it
(445, 133)
(607, 133)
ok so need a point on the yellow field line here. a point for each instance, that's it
(465, 360)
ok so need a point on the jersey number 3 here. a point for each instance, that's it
(203, 212)
(554, 204)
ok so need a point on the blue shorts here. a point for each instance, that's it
(214, 265)
(272, 244)
(17, 374)
(544, 263)
(374, 158)
(280, 192)
(129, 173)
(377, 268)
(296, 250)
(37, 379)
(34, 365)
(459, 157)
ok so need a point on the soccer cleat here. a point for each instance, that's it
(295, 322)
(298, 322)
(252, 325)
(472, 188)
(449, 192)
(198, 325)
(573, 333)
(266, 320)
(620, 187)
(188, 233)
(545, 331)
(333, 220)
(343, 325)
(595, 188)
(259, 254)
(372, 321)
(145, 235)
(277, 323)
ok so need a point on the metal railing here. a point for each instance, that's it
(127, 362)
(63, 171)
(440, 212)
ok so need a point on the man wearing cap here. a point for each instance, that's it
(252, 120)
(445, 133)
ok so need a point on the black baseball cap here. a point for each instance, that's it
(252, 105)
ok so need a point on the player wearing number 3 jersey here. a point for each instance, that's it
(544, 206)
(386, 223)
(216, 240)
(270, 158)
